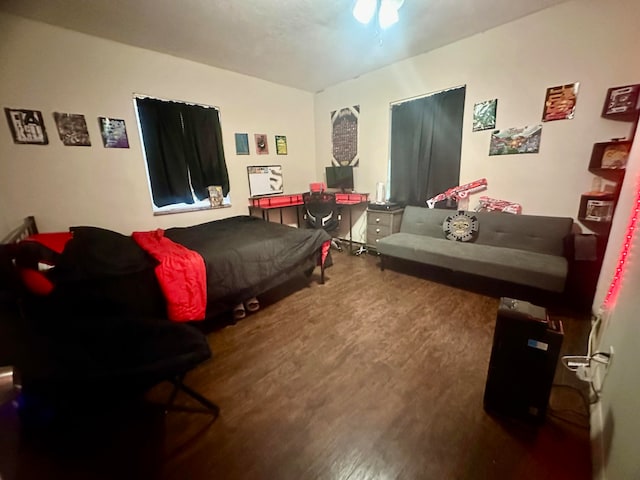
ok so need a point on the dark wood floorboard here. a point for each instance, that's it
(374, 375)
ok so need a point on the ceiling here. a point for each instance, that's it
(306, 44)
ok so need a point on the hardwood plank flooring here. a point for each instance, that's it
(373, 375)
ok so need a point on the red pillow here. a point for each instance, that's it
(36, 281)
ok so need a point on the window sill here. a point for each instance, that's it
(189, 209)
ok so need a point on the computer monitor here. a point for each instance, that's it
(340, 178)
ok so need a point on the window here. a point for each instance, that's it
(426, 141)
(183, 151)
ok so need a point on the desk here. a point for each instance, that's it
(280, 202)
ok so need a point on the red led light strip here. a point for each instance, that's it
(617, 276)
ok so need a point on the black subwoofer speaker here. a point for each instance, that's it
(526, 347)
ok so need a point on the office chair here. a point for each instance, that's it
(322, 211)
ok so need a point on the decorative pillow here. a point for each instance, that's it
(461, 227)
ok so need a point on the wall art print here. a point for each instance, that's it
(281, 145)
(242, 144)
(516, 140)
(484, 115)
(560, 102)
(27, 126)
(72, 129)
(262, 147)
(344, 136)
(114, 132)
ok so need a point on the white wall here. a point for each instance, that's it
(584, 41)
(615, 425)
(51, 69)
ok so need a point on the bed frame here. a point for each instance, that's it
(27, 228)
(10, 285)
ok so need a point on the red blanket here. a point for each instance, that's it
(181, 273)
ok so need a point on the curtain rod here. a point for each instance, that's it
(142, 95)
(398, 102)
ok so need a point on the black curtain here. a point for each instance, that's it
(183, 145)
(426, 139)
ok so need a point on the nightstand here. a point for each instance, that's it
(382, 223)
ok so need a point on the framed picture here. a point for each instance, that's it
(621, 101)
(516, 140)
(281, 145)
(265, 180)
(113, 132)
(27, 126)
(242, 144)
(560, 102)
(484, 115)
(262, 147)
(72, 129)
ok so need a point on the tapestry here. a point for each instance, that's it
(344, 136)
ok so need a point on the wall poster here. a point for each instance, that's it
(484, 115)
(516, 140)
(27, 126)
(262, 147)
(114, 132)
(560, 102)
(72, 129)
(344, 136)
(242, 144)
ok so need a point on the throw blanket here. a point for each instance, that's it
(181, 274)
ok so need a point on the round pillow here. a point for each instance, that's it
(461, 227)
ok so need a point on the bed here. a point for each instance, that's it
(90, 268)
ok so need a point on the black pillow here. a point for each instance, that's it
(461, 227)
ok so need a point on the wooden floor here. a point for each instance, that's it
(374, 375)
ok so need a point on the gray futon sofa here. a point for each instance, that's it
(526, 250)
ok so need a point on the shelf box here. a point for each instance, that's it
(596, 208)
(610, 155)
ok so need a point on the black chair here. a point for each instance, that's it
(322, 211)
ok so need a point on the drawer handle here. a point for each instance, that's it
(377, 230)
(377, 220)
(377, 240)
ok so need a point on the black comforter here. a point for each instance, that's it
(244, 257)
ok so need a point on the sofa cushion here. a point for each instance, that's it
(533, 233)
(523, 267)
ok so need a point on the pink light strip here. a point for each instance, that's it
(628, 239)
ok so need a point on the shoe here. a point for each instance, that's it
(239, 312)
(253, 305)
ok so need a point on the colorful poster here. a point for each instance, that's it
(262, 147)
(344, 136)
(114, 132)
(281, 145)
(484, 115)
(242, 144)
(516, 140)
(560, 102)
